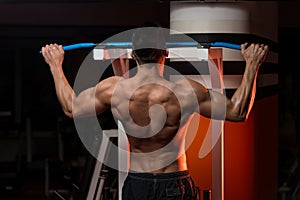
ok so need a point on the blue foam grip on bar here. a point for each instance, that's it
(226, 45)
(78, 46)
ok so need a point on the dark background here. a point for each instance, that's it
(28, 102)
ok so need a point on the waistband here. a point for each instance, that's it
(145, 175)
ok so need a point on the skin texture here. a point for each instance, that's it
(153, 110)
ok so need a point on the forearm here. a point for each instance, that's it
(64, 91)
(54, 56)
(243, 99)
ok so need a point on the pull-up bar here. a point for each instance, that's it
(168, 44)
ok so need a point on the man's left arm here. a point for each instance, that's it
(84, 103)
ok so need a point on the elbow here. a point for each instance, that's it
(68, 113)
(237, 117)
(74, 110)
(68, 110)
(241, 118)
(236, 113)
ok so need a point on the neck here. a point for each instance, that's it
(150, 70)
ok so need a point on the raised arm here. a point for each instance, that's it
(218, 106)
(88, 102)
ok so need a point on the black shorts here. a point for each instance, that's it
(148, 186)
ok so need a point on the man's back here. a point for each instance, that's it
(152, 111)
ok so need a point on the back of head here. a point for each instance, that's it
(149, 43)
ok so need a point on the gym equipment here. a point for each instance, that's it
(169, 45)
